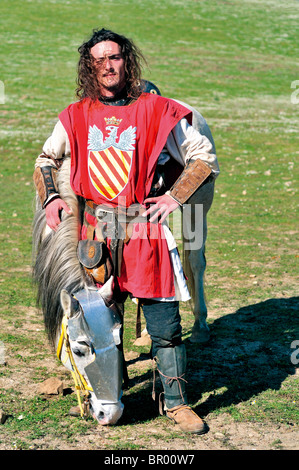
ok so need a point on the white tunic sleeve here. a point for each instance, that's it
(57, 147)
(186, 143)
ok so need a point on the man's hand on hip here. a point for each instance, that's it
(53, 210)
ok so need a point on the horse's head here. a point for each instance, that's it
(94, 332)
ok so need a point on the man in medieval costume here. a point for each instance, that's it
(124, 140)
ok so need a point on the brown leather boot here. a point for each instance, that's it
(187, 419)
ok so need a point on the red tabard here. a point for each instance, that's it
(114, 152)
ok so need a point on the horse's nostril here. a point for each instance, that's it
(102, 419)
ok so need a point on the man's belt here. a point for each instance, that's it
(122, 214)
(115, 223)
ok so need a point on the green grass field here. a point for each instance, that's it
(237, 63)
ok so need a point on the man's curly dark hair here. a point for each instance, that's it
(87, 77)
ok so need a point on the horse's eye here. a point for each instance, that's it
(78, 352)
(80, 348)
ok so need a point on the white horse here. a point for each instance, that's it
(59, 278)
(194, 260)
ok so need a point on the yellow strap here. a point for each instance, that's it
(80, 382)
(61, 339)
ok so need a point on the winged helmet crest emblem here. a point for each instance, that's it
(125, 142)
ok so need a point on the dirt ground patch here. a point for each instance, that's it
(141, 424)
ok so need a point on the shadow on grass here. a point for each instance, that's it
(249, 352)
(139, 405)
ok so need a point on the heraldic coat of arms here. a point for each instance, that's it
(110, 159)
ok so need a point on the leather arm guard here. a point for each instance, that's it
(192, 177)
(44, 180)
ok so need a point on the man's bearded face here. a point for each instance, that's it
(110, 67)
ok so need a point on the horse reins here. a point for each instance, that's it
(80, 382)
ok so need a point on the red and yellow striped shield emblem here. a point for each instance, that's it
(109, 170)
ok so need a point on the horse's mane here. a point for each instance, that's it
(55, 261)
